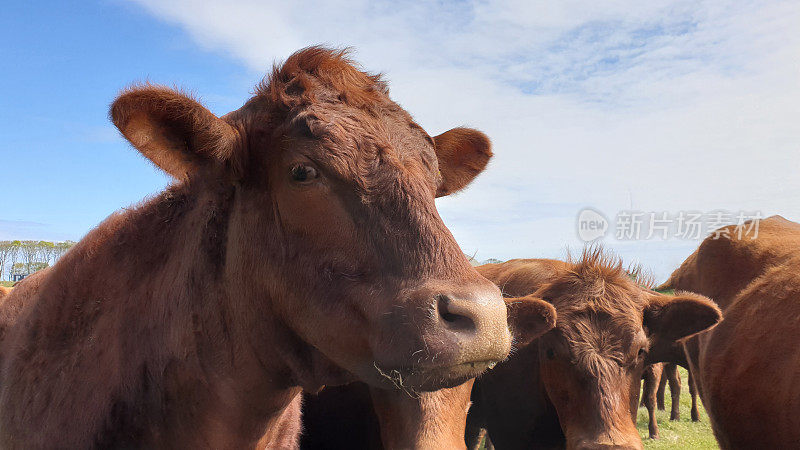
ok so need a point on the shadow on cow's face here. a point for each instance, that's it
(333, 229)
(608, 329)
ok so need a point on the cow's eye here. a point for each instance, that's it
(642, 353)
(303, 173)
(550, 353)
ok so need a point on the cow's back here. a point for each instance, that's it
(722, 267)
(521, 277)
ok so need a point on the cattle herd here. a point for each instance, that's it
(295, 287)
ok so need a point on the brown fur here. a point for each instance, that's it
(431, 420)
(578, 385)
(285, 432)
(299, 246)
(746, 369)
(4, 291)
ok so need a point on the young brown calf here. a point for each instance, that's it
(299, 246)
(578, 385)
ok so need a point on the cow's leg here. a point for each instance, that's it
(674, 378)
(651, 375)
(662, 387)
(693, 393)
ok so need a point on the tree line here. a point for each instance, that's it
(22, 258)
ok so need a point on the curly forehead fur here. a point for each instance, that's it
(599, 309)
(597, 282)
(322, 94)
(318, 74)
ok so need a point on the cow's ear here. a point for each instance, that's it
(528, 318)
(175, 132)
(463, 153)
(669, 318)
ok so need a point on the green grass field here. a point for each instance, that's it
(682, 434)
(6, 283)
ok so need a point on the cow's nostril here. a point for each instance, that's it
(454, 315)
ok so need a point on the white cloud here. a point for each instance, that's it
(664, 105)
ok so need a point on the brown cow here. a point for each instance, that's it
(747, 369)
(356, 416)
(300, 246)
(578, 385)
(4, 291)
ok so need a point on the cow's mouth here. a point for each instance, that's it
(432, 378)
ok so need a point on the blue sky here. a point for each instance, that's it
(66, 167)
(671, 105)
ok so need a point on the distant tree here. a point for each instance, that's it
(29, 251)
(492, 261)
(46, 251)
(13, 255)
(6, 248)
(62, 247)
(35, 255)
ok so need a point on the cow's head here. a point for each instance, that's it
(332, 231)
(608, 329)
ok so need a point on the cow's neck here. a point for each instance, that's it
(162, 266)
(434, 419)
(261, 274)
